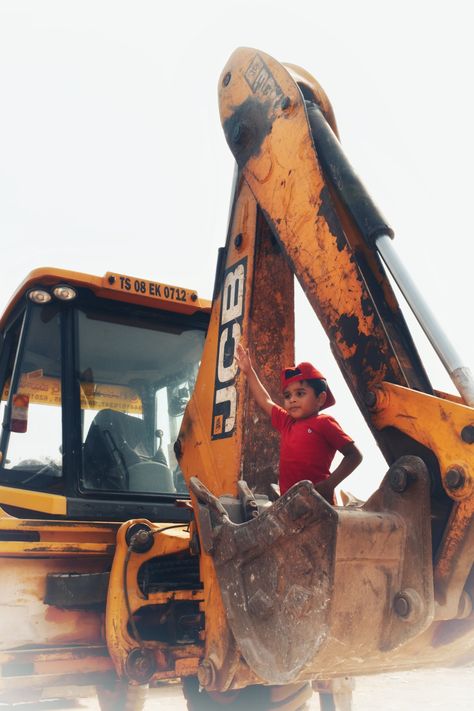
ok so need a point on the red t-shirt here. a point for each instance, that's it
(307, 446)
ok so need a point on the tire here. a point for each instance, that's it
(121, 696)
(291, 697)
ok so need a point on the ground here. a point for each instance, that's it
(427, 690)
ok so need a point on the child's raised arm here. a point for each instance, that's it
(258, 391)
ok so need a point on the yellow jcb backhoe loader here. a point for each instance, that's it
(140, 544)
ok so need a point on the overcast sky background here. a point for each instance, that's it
(112, 156)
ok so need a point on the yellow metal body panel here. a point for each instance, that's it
(57, 646)
(53, 504)
(286, 179)
(255, 304)
(126, 599)
(438, 423)
(112, 286)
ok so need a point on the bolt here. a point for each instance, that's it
(142, 541)
(398, 479)
(206, 673)
(139, 537)
(194, 297)
(285, 103)
(467, 434)
(401, 605)
(455, 478)
(408, 605)
(238, 240)
(140, 664)
(226, 79)
(111, 280)
(370, 398)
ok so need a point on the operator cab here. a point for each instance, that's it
(95, 379)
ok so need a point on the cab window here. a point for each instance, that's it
(31, 440)
(135, 376)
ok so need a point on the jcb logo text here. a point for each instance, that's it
(230, 325)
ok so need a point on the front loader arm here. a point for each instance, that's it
(268, 126)
(388, 585)
(281, 129)
(223, 437)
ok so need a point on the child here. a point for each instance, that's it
(309, 440)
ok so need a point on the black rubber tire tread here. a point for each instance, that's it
(291, 697)
(122, 697)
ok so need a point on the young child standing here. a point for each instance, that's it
(309, 440)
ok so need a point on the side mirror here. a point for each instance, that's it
(19, 417)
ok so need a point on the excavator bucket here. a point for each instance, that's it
(305, 577)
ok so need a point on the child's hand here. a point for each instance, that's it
(243, 359)
(256, 388)
(326, 489)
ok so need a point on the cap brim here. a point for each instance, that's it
(330, 400)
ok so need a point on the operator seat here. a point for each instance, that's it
(116, 457)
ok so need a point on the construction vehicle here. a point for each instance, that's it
(141, 540)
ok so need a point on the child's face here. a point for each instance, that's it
(301, 401)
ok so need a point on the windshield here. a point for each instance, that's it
(136, 376)
(134, 371)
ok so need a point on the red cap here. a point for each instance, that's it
(305, 371)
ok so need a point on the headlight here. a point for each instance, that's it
(39, 296)
(64, 292)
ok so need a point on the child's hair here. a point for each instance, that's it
(318, 385)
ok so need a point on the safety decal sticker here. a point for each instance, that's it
(260, 79)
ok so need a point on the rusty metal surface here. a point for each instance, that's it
(76, 590)
(223, 437)
(131, 649)
(270, 337)
(267, 572)
(30, 538)
(31, 552)
(309, 588)
(265, 121)
(30, 621)
(439, 423)
(274, 148)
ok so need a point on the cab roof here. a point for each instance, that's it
(113, 285)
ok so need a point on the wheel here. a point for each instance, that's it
(291, 697)
(120, 696)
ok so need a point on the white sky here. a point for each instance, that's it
(112, 156)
